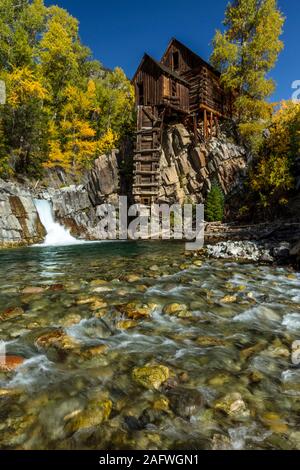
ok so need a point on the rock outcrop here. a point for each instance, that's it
(104, 180)
(75, 206)
(19, 220)
(186, 174)
(188, 169)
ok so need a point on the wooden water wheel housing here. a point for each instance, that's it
(182, 86)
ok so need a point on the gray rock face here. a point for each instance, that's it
(104, 180)
(187, 171)
(75, 207)
(19, 220)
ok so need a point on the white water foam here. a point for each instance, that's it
(292, 321)
(57, 235)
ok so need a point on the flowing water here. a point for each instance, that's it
(93, 322)
(57, 235)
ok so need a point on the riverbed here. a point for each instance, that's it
(141, 345)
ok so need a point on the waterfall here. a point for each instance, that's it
(56, 233)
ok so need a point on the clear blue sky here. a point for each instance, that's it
(120, 31)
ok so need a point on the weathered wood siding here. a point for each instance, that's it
(160, 88)
(186, 60)
(149, 76)
(205, 86)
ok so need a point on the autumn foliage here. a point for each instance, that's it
(272, 177)
(63, 109)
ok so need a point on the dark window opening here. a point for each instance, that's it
(175, 60)
(140, 93)
(146, 201)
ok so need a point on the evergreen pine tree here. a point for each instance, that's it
(214, 210)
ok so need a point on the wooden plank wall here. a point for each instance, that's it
(205, 86)
(158, 89)
(187, 61)
(150, 77)
(181, 99)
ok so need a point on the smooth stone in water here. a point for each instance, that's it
(31, 290)
(57, 339)
(151, 376)
(234, 406)
(95, 414)
(185, 402)
(174, 309)
(10, 363)
(11, 312)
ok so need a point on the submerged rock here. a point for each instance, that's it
(94, 351)
(70, 320)
(234, 406)
(10, 363)
(126, 324)
(98, 304)
(151, 376)
(198, 263)
(295, 354)
(277, 349)
(248, 352)
(221, 442)
(31, 290)
(95, 414)
(85, 300)
(98, 283)
(185, 402)
(135, 311)
(219, 380)
(209, 341)
(275, 423)
(174, 309)
(10, 313)
(57, 339)
(132, 278)
(295, 439)
(229, 299)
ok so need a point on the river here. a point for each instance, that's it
(140, 345)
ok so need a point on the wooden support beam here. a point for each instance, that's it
(217, 126)
(205, 124)
(207, 108)
(195, 126)
(156, 150)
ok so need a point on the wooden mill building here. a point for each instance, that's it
(181, 86)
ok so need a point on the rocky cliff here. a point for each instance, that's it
(19, 220)
(188, 169)
(186, 174)
(75, 206)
